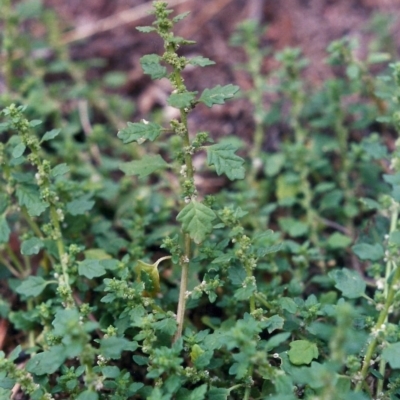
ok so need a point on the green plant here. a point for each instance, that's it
(137, 286)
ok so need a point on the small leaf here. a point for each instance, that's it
(338, 241)
(134, 387)
(35, 122)
(302, 352)
(88, 395)
(18, 150)
(144, 167)
(350, 283)
(146, 29)
(4, 230)
(201, 61)
(196, 219)
(391, 354)
(198, 393)
(29, 197)
(80, 206)
(151, 66)
(274, 322)
(113, 346)
(47, 362)
(50, 135)
(91, 268)
(218, 94)
(31, 246)
(288, 304)
(365, 251)
(32, 286)
(223, 157)
(181, 100)
(217, 394)
(166, 325)
(276, 340)
(139, 132)
(179, 17)
(59, 169)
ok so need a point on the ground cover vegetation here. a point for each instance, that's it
(121, 279)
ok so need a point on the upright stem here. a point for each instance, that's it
(185, 260)
(383, 316)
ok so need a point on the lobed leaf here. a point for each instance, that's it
(146, 29)
(201, 61)
(223, 157)
(139, 132)
(32, 286)
(218, 94)
(365, 251)
(151, 66)
(196, 219)
(80, 206)
(91, 268)
(31, 246)
(350, 283)
(302, 352)
(47, 362)
(29, 197)
(181, 100)
(144, 167)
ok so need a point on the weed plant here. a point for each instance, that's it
(121, 280)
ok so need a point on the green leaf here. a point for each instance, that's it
(350, 283)
(18, 150)
(391, 354)
(50, 135)
(59, 169)
(394, 238)
(29, 197)
(166, 325)
(201, 61)
(134, 387)
(245, 292)
(218, 94)
(198, 393)
(91, 268)
(4, 230)
(274, 322)
(31, 246)
(144, 167)
(139, 132)
(365, 251)
(32, 286)
(151, 66)
(179, 17)
(4, 202)
(217, 394)
(196, 219)
(223, 157)
(35, 122)
(293, 227)
(80, 206)
(288, 304)
(276, 340)
(146, 29)
(338, 241)
(181, 100)
(302, 352)
(47, 362)
(113, 346)
(88, 395)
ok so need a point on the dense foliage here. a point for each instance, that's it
(122, 279)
